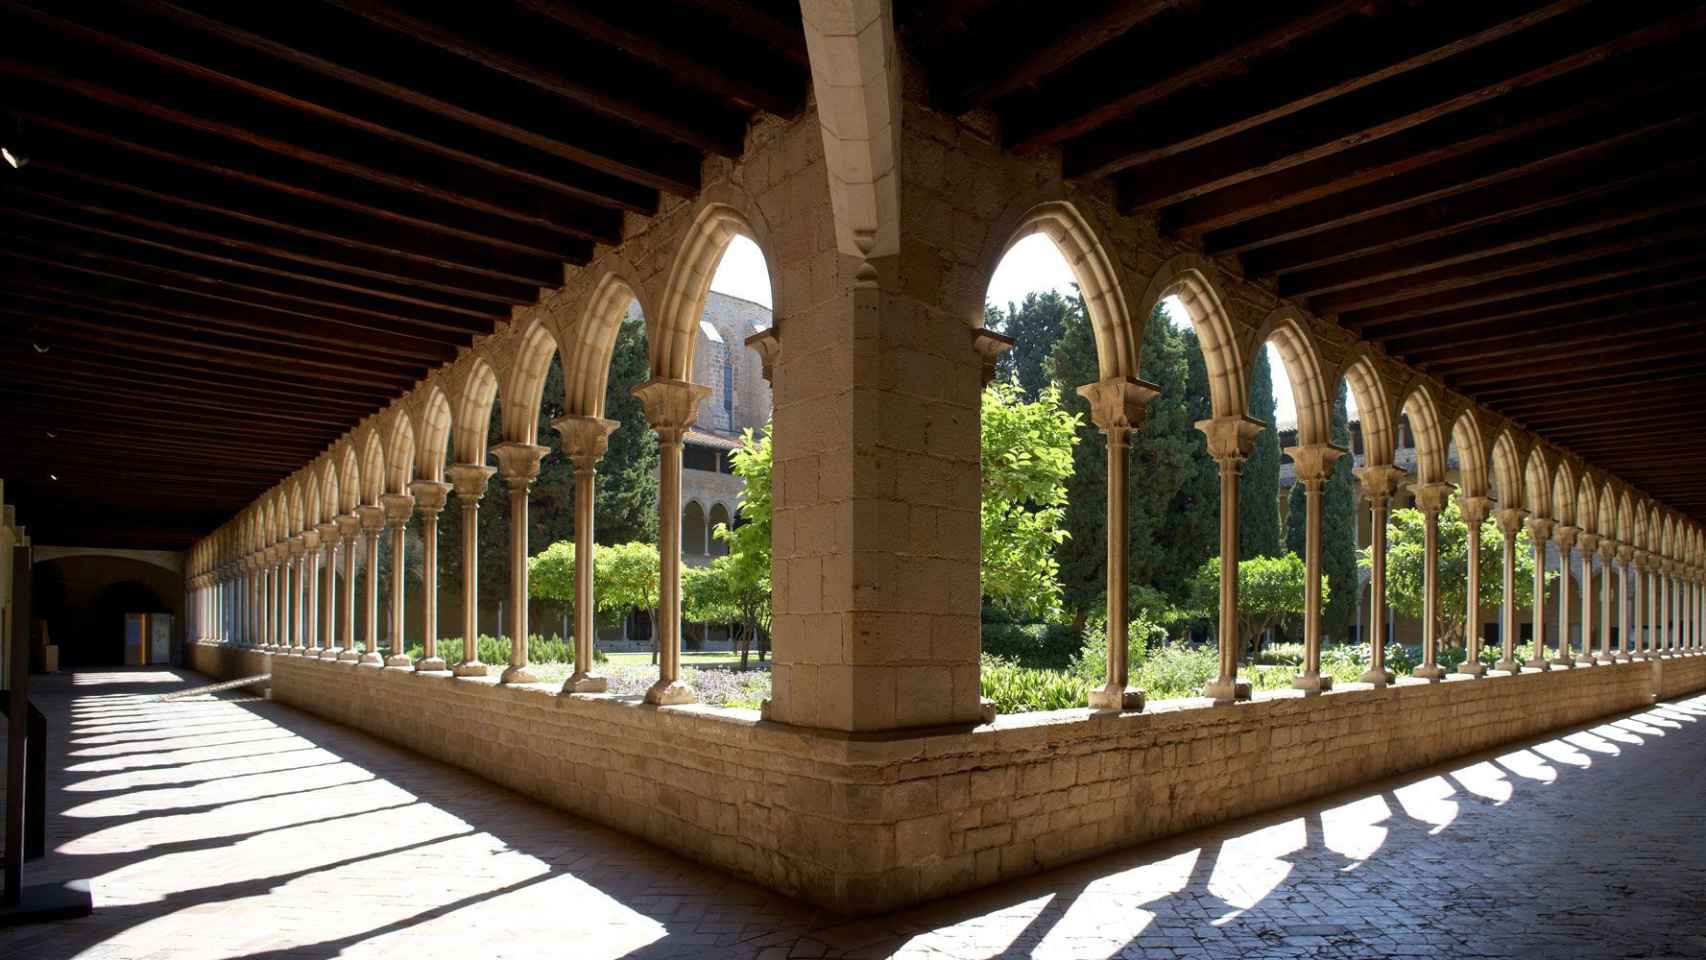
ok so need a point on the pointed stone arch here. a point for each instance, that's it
(372, 465)
(1187, 277)
(1537, 482)
(1469, 435)
(327, 469)
(1587, 501)
(1564, 492)
(1374, 410)
(473, 390)
(589, 348)
(349, 478)
(1426, 423)
(1304, 370)
(674, 331)
(433, 418)
(525, 389)
(1625, 518)
(400, 453)
(1507, 475)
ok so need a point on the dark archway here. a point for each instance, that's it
(84, 600)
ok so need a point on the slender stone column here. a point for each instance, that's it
(311, 592)
(1539, 531)
(372, 528)
(1607, 559)
(293, 598)
(1117, 407)
(584, 442)
(1643, 602)
(1230, 440)
(1589, 544)
(470, 481)
(1510, 526)
(430, 499)
(1475, 511)
(1314, 465)
(328, 609)
(1564, 536)
(1627, 647)
(518, 465)
(672, 406)
(1662, 593)
(1379, 482)
(277, 639)
(349, 544)
(398, 507)
(1431, 498)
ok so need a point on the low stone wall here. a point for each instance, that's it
(228, 662)
(870, 824)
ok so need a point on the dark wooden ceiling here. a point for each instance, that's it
(243, 227)
(1507, 194)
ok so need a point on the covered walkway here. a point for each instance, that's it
(220, 825)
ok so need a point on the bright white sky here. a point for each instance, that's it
(742, 272)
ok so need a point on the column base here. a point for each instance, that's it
(350, 656)
(371, 659)
(671, 693)
(1433, 672)
(986, 708)
(1380, 678)
(1471, 668)
(1564, 663)
(586, 683)
(1540, 663)
(431, 665)
(470, 668)
(1511, 667)
(515, 674)
(1605, 658)
(1585, 661)
(1111, 697)
(1311, 683)
(299, 651)
(1224, 692)
(398, 660)
(330, 653)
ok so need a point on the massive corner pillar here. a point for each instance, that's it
(1230, 440)
(1540, 532)
(1431, 499)
(349, 541)
(1509, 521)
(518, 465)
(1475, 511)
(470, 481)
(372, 528)
(430, 498)
(397, 509)
(1314, 465)
(1117, 407)
(672, 406)
(584, 440)
(1379, 482)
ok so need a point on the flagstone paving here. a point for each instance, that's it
(220, 825)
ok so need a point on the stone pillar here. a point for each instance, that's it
(470, 480)
(278, 637)
(1117, 407)
(1509, 520)
(1379, 482)
(311, 592)
(1431, 498)
(349, 544)
(372, 519)
(518, 465)
(1230, 440)
(584, 442)
(1642, 632)
(1661, 571)
(1475, 511)
(1607, 560)
(430, 498)
(1314, 465)
(1539, 531)
(398, 507)
(672, 406)
(1589, 544)
(1564, 536)
(1627, 646)
(293, 598)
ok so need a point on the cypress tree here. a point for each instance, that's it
(1258, 486)
(1036, 326)
(1339, 531)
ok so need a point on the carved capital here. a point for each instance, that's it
(1475, 510)
(990, 346)
(1588, 542)
(398, 507)
(1314, 463)
(768, 345)
(1379, 481)
(1431, 498)
(672, 406)
(1510, 520)
(584, 439)
(518, 463)
(1643, 561)
(372, 519)
(349, 526)
(1540, 529)
(309, 539)
(1564, 535)
(1625, 553)
(1118, 405)
(1230, 439)
(430, 496)
(469, 480)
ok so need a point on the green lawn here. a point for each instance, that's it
(690, 658)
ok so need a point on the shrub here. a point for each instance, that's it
(1176, 670)
(1017, 689)
(1280, 655)
(1091, 661)
(548, 649)
(1042, 645)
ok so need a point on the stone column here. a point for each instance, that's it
(311, 593)
(1564, 536)
(293, 595)
(1379, 482)
(1661, 571)
(397, 508)
(1509, 520)
(584, 442)
(470, 480)
(1627, 646)
(430, 498)
(1539, 531)
(1431, 498)
(1607, 559)
(518, 465)
(349, 544)
(372, 528)
(277, 639)
(1589, 544)
(672, 406)
(1117, 407)
(1475, 511)
(1314, 466)
(1641, 632)
(1230, 440)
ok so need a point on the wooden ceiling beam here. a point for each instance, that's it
(1560, 367)
(1582, 382)
(1592, 334)
(997, 69)
(52, 385)
(1666, 288)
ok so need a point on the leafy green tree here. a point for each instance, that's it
(1270, 592)
(1258, 484)
(1035, 325)
(720, 592)
(627, 507)
(627, 576)
(1405, 556)
(748, 560)
(551, 573)
(1026, 458)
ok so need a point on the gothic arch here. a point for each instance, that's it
(586, 358)
(474, 390)
(1187, 277)
(1564, 493)
(1303, 369)
(1425, 423)
(1507, 469)
(1472, 462)
(677, 324)
(1625, 518)
(372, 466)
(328, 472)
(1374, 411)
(431, 432)
(400, 454)
(349, 478)
(1537, 483)
(526, 387)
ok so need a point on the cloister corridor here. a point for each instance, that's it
(223, 825)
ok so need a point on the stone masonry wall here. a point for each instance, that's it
(868, 824)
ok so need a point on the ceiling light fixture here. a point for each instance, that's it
(39, 347)
(53, 476)
(17, 158)
(52, 436)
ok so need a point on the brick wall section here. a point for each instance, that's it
(863, 825)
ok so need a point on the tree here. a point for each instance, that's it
(627, 575)
(1026, 458)
(1270, 592)
(1258, 484)
(551, 573)
(720, 592)
(1405, 563)
(627, 499)
(747, 564)
(1035, 325)
(1190, 530)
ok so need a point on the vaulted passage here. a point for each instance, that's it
(877, 450)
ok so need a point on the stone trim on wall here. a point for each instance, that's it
(867, 824)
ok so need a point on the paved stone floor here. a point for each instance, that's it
(221, 826)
